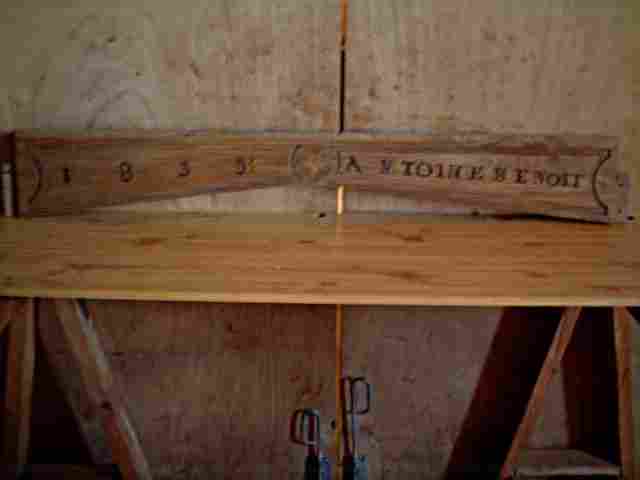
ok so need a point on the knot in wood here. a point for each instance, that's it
(313, 165)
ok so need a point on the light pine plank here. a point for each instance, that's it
(354, 259)
(97, 376)
(622, 329)
(19, 385)
(549, 368)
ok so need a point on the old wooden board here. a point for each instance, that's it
(358, 259)
(570, 176)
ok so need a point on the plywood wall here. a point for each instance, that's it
(468, 66)
(210, 386)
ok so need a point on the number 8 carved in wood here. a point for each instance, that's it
(126, 172)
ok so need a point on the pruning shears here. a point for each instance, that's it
(356, 401)
(305, 430)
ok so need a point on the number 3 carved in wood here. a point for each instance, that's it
(126, 172)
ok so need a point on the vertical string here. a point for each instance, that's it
(344, 25)
(339, 352)
(344, 20)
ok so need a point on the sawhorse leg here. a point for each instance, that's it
(19, 317)
(622, 327)
(622, 339)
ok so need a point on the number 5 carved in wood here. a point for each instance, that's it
(185, 169)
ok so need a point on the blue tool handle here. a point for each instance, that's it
(355, 468)
(317, 468)
(325, 468)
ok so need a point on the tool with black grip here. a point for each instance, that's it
(356, 400)
(305, 430)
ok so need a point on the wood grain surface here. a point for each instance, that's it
(575, 177)
(356, 259)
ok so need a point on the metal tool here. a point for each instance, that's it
(356, 400)
(305, 430)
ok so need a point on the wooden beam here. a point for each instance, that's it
(622, 328)
(306, 259)
(549, 369)
(19, 386)
(95, 371)
(566, 176)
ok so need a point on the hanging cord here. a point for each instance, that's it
(344, 20)
(339, 353)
